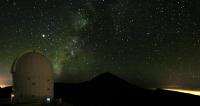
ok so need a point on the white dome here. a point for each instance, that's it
(32, 77)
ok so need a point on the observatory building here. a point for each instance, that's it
(33, 79)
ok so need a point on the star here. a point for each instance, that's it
(43, 35)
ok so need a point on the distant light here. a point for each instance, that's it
(12, 95)
(48, 100)
(3, 86)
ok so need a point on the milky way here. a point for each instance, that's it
(148, 43)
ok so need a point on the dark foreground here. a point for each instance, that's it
(106, 90)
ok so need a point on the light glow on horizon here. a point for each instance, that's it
(193, 92)
(3, 86)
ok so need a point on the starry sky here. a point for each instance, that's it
(151, 43)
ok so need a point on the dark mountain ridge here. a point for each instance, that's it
(108, 90)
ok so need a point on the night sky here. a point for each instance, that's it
(151, 43)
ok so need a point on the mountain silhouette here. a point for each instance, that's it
(109, 90)
(103, 89)
(107, 80)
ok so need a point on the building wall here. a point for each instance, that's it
(33, 78)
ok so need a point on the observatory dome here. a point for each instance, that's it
(32, 77)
